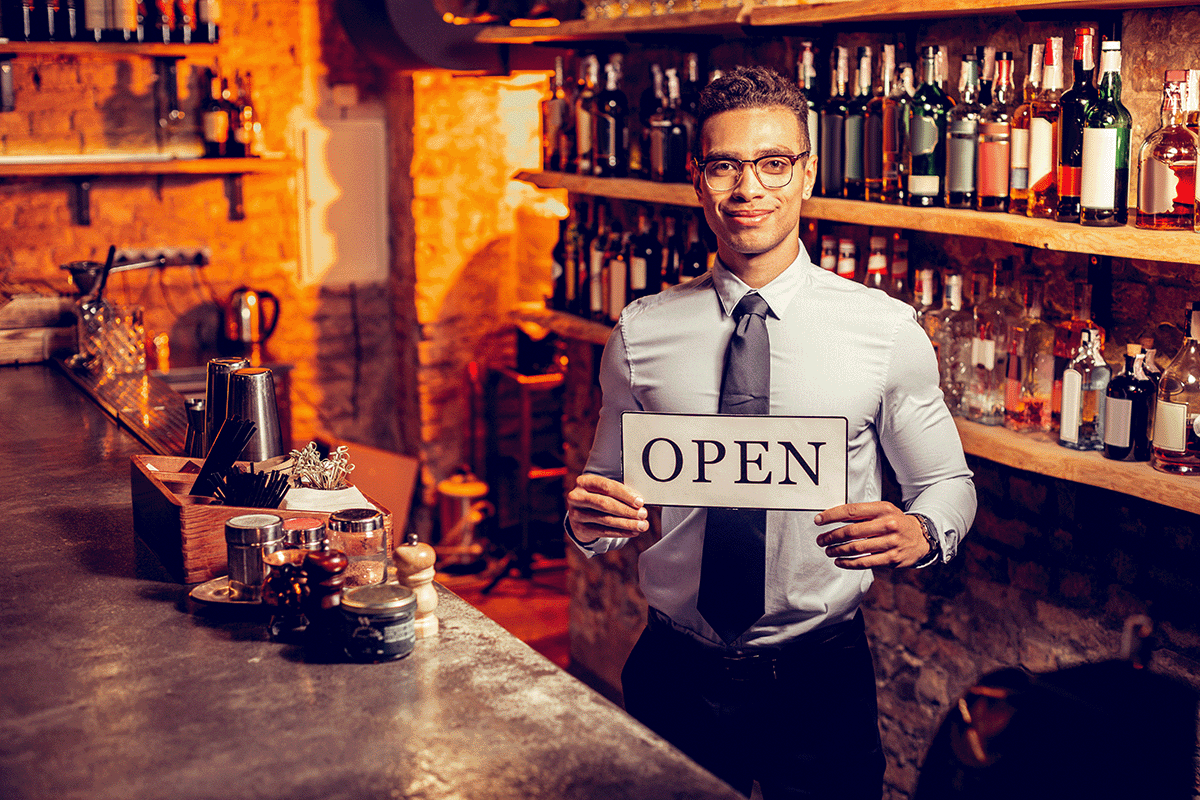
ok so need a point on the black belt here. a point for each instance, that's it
(757, 663)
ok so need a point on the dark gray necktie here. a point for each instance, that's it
(733, 566)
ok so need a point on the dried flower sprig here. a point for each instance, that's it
(310, 471)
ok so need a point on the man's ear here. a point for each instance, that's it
(810, 175)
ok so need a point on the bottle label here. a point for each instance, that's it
(1019, 174)
(877, 264)
(1156, 188)
(924, 185)
(583, 138)
(216, 126)
(854, 148)
(637, 273)
(1068, 180)
(845, 267)
(1118, 421)
(960, 157)
(1072, 406)
(831, 153)
(1042, 146)
(873, 147)
(994, 158)
(1170, 426)
(1098, 186)
(983, 353)
(922, 136)
(616, 287)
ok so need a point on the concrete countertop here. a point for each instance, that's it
(120, 686)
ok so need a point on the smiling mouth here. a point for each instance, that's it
(748, 216)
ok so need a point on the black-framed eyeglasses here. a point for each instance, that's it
(773, 171)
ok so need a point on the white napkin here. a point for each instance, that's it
(301, 499)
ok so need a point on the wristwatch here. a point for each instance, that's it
(935, 548)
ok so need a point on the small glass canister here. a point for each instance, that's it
(377, 622)
(361, 535)
(247, 539)
(306, 533)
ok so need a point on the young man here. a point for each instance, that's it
(790, 700)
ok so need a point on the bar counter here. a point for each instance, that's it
(118, 685)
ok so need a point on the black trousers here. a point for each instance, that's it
(801, 720)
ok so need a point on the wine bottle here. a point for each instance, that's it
(560, 259)
(555, 112)
(645, 257)
(695, 258)
(879, 154)
(671, 135)
(1104, 183)
(1176, 447)
(961, 137)
(584, 111)
(831, 161)
(926, 157)
(877, 263)
(616, 273)
(1128, 404)
(1029, 382)
(847, 259)
(1044, 136)
(1075, 105)
(1167, 165)
(994, 153)
(1018, 175)
(215, 119)
(853, 185)
(895, 177)
(829, 254)
(588, 233)
(690, 86)
(652, 102)
(611, 134)
(1085, 382)
(674, 246)
(806, 77)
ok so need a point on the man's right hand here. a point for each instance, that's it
(599, 507)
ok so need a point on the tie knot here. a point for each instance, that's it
(751, 303)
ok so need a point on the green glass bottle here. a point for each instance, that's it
(926, 157)
(1104, 191)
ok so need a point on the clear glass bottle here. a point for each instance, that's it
(1044, 129)
(895, 109)
(879, 154)
(989, 350)
(994, 152)
(847, 261)
(853, 177)
(1176, 447)
(556, 113)
(1167, 165)
(924, 295)
(1018, 175)
(926, 154)
(1066, 340)
(877, 264)
(1104, 190)
(1075, 105)
(1128, 404)
(962, 131)
(831, 163)
(951, 330)
(1085, 382)
(1029, 383)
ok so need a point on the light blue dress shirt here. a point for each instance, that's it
(837, 349)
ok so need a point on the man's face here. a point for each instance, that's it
(749, 220)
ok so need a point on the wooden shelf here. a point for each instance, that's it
(110, 49)
(179, 166)
(1043, 455)
(717, 21)
(1126, 242)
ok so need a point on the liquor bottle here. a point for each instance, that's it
(986, 56)
(597, 247)
(895, 178)
(583, 258)
(1066, 340)
(164, 19)
(208, 19)
(924, 294)
(876, 158)
(951, 330)
(556, 111)
(994, 153)
(926, 156)
(806, 78)
(610, 137)
(674, 246)
(847, 259)
(1044, 136)
(652, 101)
(1075, 105)
(1104, 184)
(829, 253)
(1128, 404)
(616, 271)
(1029, 382)
(696, 257)
(235, 147)
(645, 257)
(560, 258)
(898, 288)
(877, 264)
(961, 137)
(994, 316)
(1191, 101)
(671, 136)
(215, 119)
(584, 110)
(1018, 175)
(853, 185)
(690, 85)
(1176, 446)
(185, 21)
(1167, 165)
(247, 129)
(831, 161)
(1085, 383)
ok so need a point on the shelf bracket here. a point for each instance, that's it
(8, 95)
(233, 193)
(83, 201)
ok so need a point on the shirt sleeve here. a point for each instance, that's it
(605, 456)
(921, 442)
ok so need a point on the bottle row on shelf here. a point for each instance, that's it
(1050, 154)
(229, 122)
(116, 21)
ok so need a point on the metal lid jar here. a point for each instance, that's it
(361, 534)
(306, 533)
(377, 622)
(247, 538)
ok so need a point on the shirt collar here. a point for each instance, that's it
(779, 293)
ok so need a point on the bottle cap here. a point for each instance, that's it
(878, 242)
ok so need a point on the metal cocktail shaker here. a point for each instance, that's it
(252, 397)
(217, 395)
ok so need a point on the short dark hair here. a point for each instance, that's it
(752, 87)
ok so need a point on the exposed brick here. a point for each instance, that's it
(912, 603)
(1030, 576)
(1076, 586)
(1028, 494)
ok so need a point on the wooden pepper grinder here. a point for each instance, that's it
(414, 562)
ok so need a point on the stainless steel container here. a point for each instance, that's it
(306, 533)
(252, 397)
(247, 539)
(217, 395)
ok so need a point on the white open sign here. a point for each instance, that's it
(729, 461)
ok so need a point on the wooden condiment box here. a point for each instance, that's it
(188, 537)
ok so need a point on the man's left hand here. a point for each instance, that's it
(876, 535)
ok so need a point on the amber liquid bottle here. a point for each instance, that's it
(1044, 127)
(995, 140)
(1167, 165)
(1018, 175)
(1076, 103)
